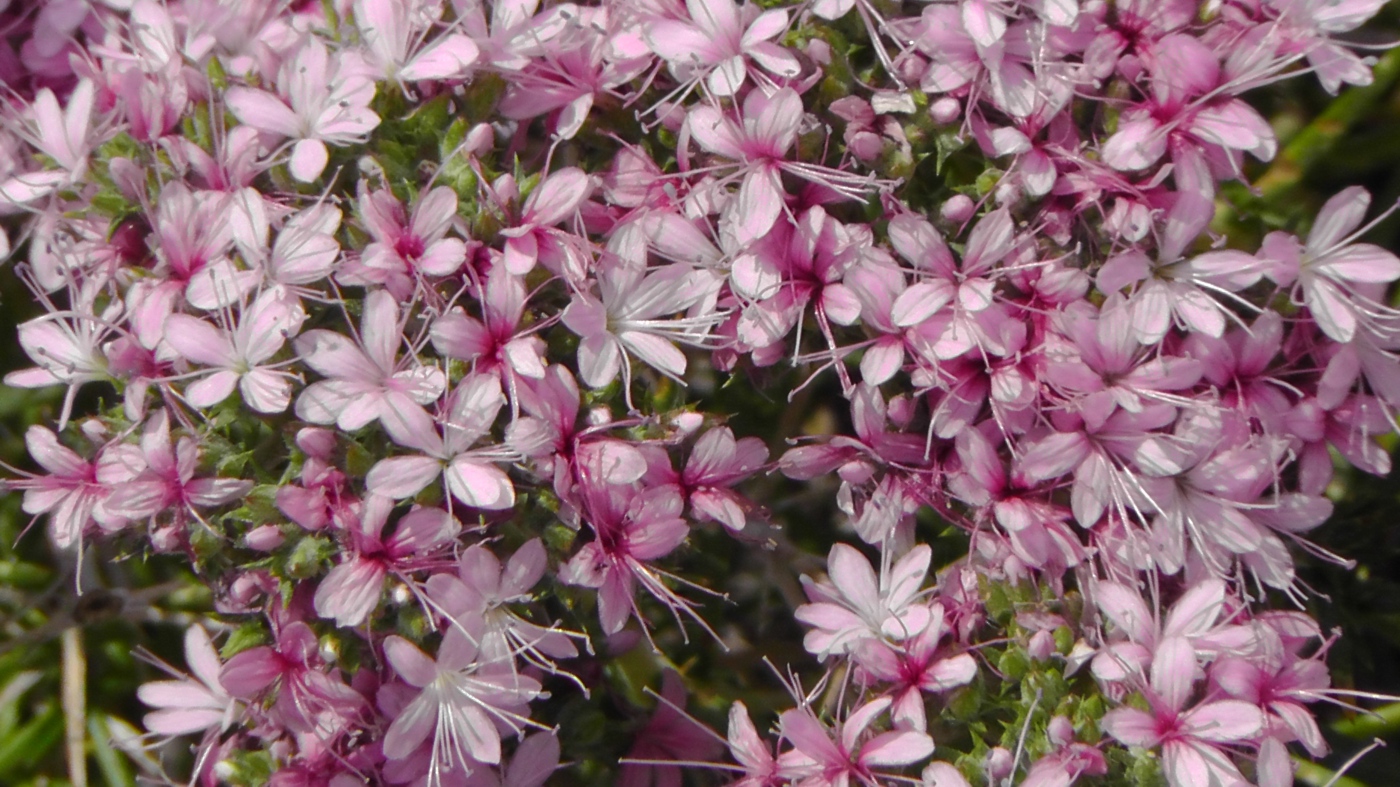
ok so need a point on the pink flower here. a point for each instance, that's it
(858, 605)
(366, 380)
(308, 699)
(350, 591)
(819, 760)
(631, 527)
(496, 344)
(1192, 740)
(405, 249)
(460, 702)
(190, 704)
(396, 33)
(237, 356)
(716, 41)
(321, 98)
(69, 494)
(469, 474)
(913, 668)
(157, 476)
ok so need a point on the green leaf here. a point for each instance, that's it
(26, 746)
(110, 763)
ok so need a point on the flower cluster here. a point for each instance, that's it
(415, 309)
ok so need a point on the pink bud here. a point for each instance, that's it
(999, 764)
(316, 442)
(687, 423)
(1060, 731)
(479, 140)
(1042, 646)
(264, 539)
(819, 51)
(957, 208)
(900, 410)
(945, 110)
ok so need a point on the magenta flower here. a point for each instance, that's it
(668, 735)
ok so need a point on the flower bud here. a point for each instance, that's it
(957, 208)
(945, 110)
(264, 538)
(998, 764)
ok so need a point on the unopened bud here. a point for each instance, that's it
(957, 208)
(998, 764)
(945, 110)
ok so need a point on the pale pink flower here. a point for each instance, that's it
(67, 348)
(480, 599)
(321, 98)
(857, 604)
(1192, 740)
(634, 315)
(534, 237)
(750, 751)
(461, 701)
(238, 356)
(69, 493)
(62, 134)
(823, 757)
(366, 380)
(759, 141)
(396, 33)
(1331, 265)
(190, 704)
(469, 474)
(718, 40)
